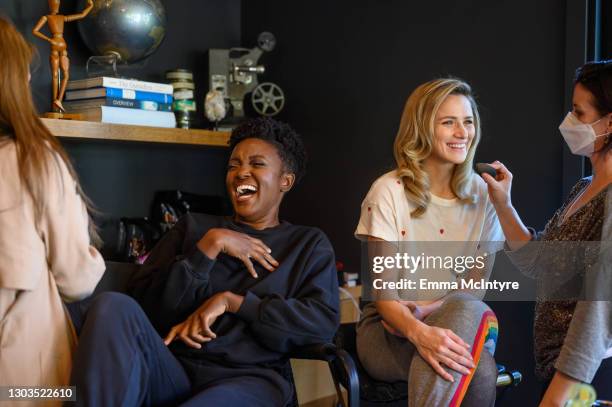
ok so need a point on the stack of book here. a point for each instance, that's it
(121, 101)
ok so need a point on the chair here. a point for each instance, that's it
(117, 276)
(373, 393)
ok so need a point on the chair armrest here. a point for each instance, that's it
(319, 351)
(345, 365)
(341, 365)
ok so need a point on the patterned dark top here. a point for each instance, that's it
(553, 318)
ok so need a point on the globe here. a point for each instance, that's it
(130, 29)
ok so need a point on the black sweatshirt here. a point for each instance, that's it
(295, 305)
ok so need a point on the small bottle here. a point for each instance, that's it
(184, 106)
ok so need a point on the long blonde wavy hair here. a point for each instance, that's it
(414, 141)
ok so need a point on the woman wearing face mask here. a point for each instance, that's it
(573, 339)
(442, 346)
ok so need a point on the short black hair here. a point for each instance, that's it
(288, 143)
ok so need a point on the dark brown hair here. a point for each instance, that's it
(596, 77)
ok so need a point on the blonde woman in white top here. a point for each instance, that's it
(433, 195)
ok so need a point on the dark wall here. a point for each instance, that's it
(121, 177)
(347, 68)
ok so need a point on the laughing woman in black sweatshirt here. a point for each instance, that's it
(231, 296)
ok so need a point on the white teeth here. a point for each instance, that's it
(241, 189)
(456, 145)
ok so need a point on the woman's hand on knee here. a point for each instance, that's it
(439, 346)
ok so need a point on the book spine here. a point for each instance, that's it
(132, 104)
(138, 95)
(118, 115)
(137, 85)
(139, 104)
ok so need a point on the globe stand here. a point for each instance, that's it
(103, 65)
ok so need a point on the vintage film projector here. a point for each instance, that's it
(233, 72)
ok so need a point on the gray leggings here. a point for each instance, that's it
(387, 357)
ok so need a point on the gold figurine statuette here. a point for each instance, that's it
(59, 50)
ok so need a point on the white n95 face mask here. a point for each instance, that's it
(580, 137)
